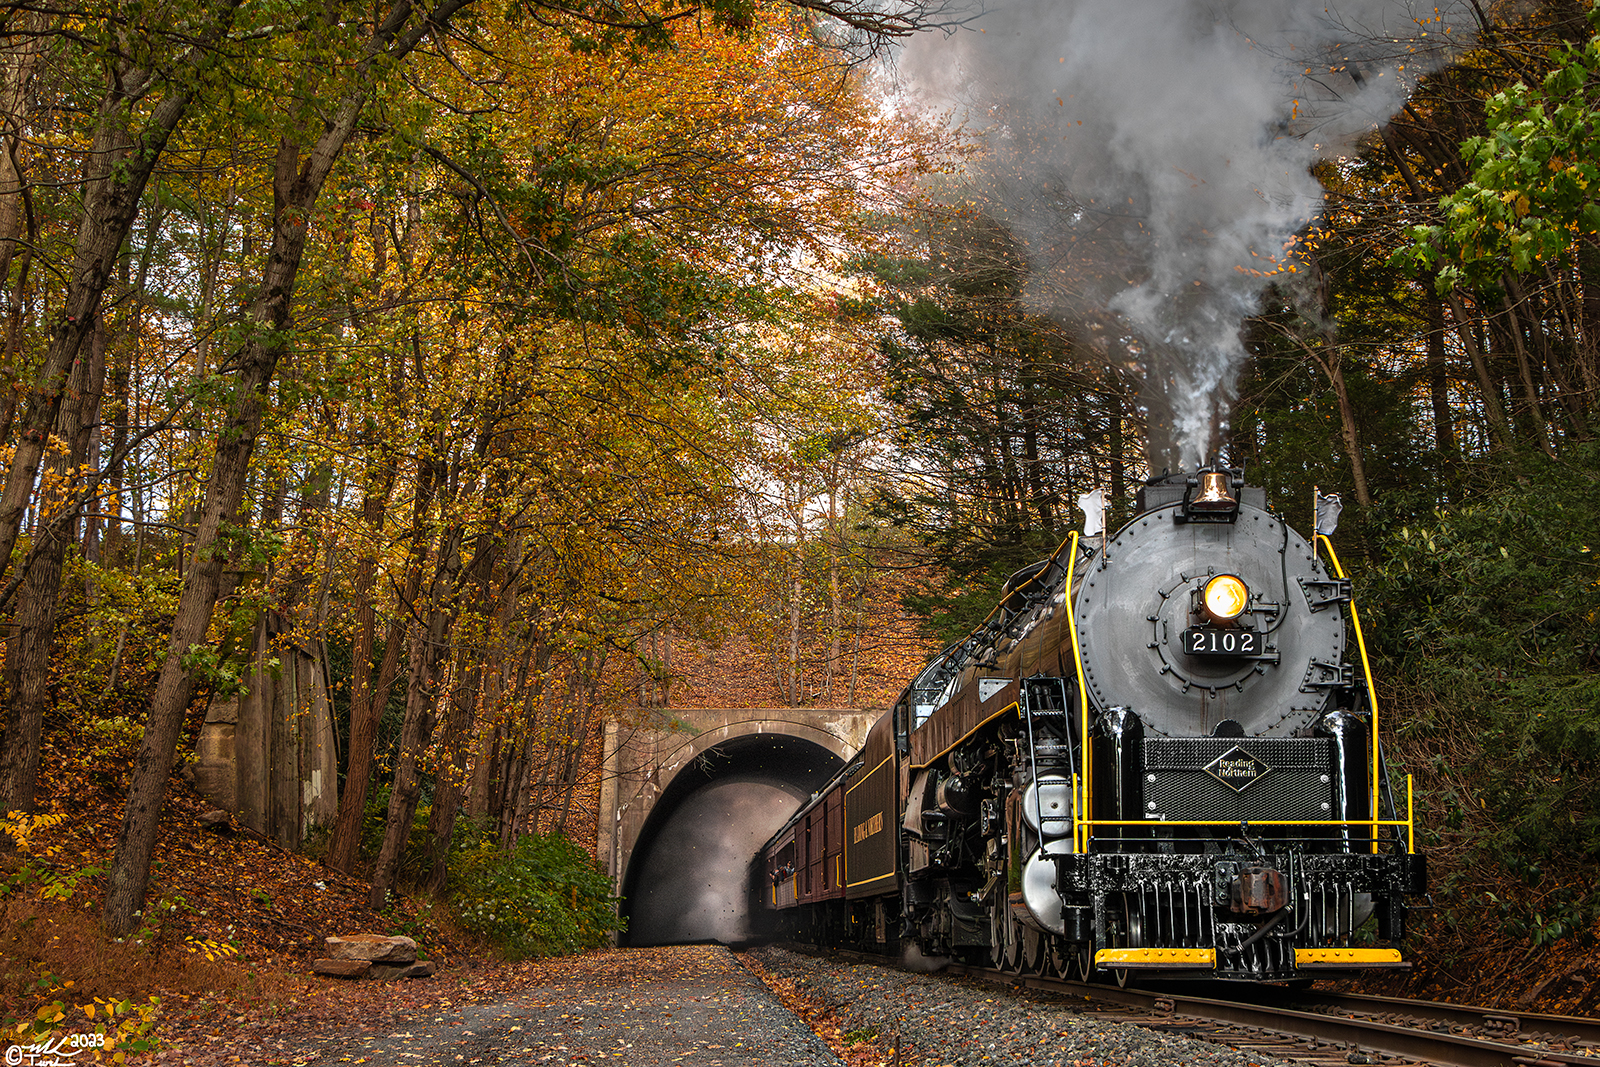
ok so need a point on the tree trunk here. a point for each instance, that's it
(515, 795)
(1530, 391)
(367, 700)
(588, 704)
(1553, 361)
(855, 649)
(480, 787)
(793, 675)
(117, 378)
(426, 655)
(1350, 430)
(1329, 360)
(13, 350)
(1494, 410)
(835, 544)
(403, 796)
(514, 812)
(296, 188)
(498, 688)
(1589, 344)
(1118, 467)
(1444, 429)
(17, 68)
(451, 776)
(28, 650)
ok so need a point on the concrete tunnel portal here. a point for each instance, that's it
(688, 876)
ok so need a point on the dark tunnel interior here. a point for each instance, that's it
(688, 877)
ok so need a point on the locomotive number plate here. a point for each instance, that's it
(1204, 641)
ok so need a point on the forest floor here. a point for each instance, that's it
(275, 907)
(232, 923)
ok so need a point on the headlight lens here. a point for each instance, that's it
(1225, 598)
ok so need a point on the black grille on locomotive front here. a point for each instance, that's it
(1235, 778)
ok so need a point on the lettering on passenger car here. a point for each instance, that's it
(866, 829)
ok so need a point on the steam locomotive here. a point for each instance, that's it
(1158, 754)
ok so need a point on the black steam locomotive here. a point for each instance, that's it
(1158, 754)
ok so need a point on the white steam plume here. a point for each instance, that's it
(1155, 158)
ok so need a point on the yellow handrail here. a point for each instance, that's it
(1411, 818)
(1253, 822)
(1077, 812)
(1081, 813)
(1366, 670)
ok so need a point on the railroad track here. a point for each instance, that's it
(1569, 1033)
(1322, 1028)
(1330, 1029)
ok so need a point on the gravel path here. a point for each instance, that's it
(691, 1005)
(943, 1021)
(688, 1005)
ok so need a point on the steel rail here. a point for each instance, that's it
(1505, 1021)
(1501, 1022)
(1451, 1049)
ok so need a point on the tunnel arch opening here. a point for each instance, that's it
(688, 876)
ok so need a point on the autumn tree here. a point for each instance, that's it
(1018, 411)
(407, 288)
(148, 80)
(302, 166)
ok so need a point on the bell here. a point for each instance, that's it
(1213, 495)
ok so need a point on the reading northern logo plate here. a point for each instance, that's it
(1237, 769)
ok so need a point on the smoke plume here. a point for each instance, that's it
(1155, 158)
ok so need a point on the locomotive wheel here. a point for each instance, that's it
(1008, 938)
(1083, 959)
(1035, 952)
(1006, 943)
(1129, 933)
(1061, 961)
(1011, 961)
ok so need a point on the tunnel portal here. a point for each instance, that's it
(688, 876)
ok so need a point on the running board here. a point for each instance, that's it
(1157, 958)
(1206, 958)
(1345, 958)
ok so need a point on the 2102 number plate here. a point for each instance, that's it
(1204, 641)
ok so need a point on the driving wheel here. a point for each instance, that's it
(1127, 930)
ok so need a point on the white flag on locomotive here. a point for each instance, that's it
(1094, 509)
(1328, 509)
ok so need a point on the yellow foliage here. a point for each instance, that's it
(210, 949)
(118, 1028)
(20, 826)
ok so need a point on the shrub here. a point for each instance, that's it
(544, 897)
(1485, 620)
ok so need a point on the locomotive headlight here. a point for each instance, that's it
(1224, 598)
